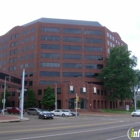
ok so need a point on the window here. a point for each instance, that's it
(72, 74)
(93, 40)
(47, 82)
(49, 74)
(31, 64)
(30, 74)
(72, 48)
(91, 75)
(50, 38)
(98, 91)
(93, 32)
(72, 65)
(81, 91)
(94, 49)
(93, 66)
(93, 57)
(50, 55)
(72, 31)
(39, 92)
(53, 65)
(72, 56)
(72, 39)
(50, 46)
(50, 29)
(30, 83)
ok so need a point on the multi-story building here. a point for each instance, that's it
(65, 54)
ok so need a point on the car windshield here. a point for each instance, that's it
(137, 110)
(66, 110)
(45, 111)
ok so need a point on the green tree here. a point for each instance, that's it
(30, 100)
(48, 98)
(6, 97)
(138, 103)
(118, 74)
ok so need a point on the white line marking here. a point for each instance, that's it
(62, 134)
(59, 123)
(117, 137)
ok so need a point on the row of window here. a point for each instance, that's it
(71, 47)
(71, 31)
(26, 32)
(71, 39)
(13, 52)
(3, 54)
(15, 36)
(4, 40)
(27, 48)
(32, 38)
(11, 60)
(31, 64)
(40, 91)
(3, 62)
(14, 44)
(3, 47)
(67, 74)
(27, 56)
(71, 65)
(30, 74)
(71, 56)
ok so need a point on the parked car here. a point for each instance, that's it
(45, 115)
(14, 110)
(59, 112)
(33, 111)
(72, 112)
(135, 113)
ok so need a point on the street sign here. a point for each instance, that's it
(3, 101)
(77, 98)
(127, 107)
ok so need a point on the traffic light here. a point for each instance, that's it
(77, 98)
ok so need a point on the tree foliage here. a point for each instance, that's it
(138, 103)
(118, 74)
(30, 100)
(48, 98)
(7, 103)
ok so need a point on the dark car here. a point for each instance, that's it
(45, 115)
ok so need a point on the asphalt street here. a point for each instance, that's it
(88, 127)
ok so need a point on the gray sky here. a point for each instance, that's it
(122, 16)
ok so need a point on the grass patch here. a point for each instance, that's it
(117, 111)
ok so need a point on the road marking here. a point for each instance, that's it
(60, 123)
(62, 134)
(40, 129)
(117, 137)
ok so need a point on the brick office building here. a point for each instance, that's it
(62, 54)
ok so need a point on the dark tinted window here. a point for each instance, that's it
(93, 40)
(72, 31)
(72, 48)
(50, 46)
(72, 65)
(72, 39)
(50, 29)
(49, 74)
(72, 56)
(94, 49)
(50, 55)
(72, 74)
(91, 75)
(93, 57)
(93, 32)
(50, 38)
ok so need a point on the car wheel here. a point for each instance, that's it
(28, 113)
(38, 117)
(132, 115)
(63, 115)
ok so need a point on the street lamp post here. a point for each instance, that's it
(4, 94)
(55, 95)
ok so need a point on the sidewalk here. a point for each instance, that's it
(11, 118)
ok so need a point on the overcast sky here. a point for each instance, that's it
(122, 16)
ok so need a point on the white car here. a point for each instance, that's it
(135, 113)
(60, 112)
